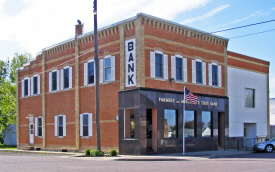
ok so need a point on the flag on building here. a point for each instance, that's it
(188, 96)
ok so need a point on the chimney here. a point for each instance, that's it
(78, 29)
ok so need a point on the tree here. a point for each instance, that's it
(17, 62)
(7, 103)
(4, 67)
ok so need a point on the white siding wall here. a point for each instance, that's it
(238, 80)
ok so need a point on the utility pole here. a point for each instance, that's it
(97, 79)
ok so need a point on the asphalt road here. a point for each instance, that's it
(12, 161)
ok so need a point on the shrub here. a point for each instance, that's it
(113, 153)
(97, 153)
(88, 152)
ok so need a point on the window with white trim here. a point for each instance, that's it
(179, 68)
(25, 87)
(38, 126)
(35, 85)
(89, 73)
(86, 124)
(66, 78)
(54, 81)
(214, 72)
(198, 72)
(249, 98)
(107, 69)
(60, 125)
(158, 65)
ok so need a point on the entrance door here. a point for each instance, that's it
(151, 131)
(221, 129)
(31, 130)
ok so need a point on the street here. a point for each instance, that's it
(14, 161)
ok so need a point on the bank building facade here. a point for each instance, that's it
(144, 64)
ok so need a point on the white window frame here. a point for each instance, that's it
(194, 72)
(56, 124)
(153, 65)
(219, 75)
(36, 126)
(86, 73)
(38, 84)
(90, 124)
(174, 71)
(57, 81)
(62, 78)
(23, 87)
(102, 69)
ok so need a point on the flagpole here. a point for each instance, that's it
(183, 113)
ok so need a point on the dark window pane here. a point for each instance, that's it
(170, 123)
(35, 85)
(66, 78)
(214, 75)
(60, 131)
(60, 120)
(249, 98)
(159, 65)
(198, 72)
(178, 68)
(26, 87)
(39, 131)
(85, 130)
(39, 121)
(132, 126)
(206, 124)
(189, 124)
(107, 64)
(54, 81)
(91, 73)
(39, 126)
(85, 120)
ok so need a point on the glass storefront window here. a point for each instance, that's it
(129, 124)
(189, 123)
(206, 124)
(170, 123)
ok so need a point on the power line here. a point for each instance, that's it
(253, 34)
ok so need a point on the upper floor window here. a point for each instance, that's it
(214, 72)
(158, 65)
(89, 72)
(35, 85)
(25, 87)
(198, 72)
(86, 128)
(66, 78)
(107, 69)
(249, 97)
(179, 68)
(54, 80)
(38, 127)
(60, 125)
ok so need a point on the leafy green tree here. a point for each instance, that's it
(7, 103)
(17, 62)
(4, 67)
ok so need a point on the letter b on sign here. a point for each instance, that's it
(130, 46)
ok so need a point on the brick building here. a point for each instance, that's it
(144, 65)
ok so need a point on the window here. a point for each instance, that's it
(214, 72)
(89, 73)
(129, 124)
(35, 85)
(189, 124)
(250, 98)
(54, 81)
(170, 123)
(206, 124)
(38, 127)
(198, 72)
(60, 125)
(66, 78)
(179, 69)
(25, 87)
(86, 125)
(158, 65)
(107, 69)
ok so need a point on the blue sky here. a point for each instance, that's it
(31, 25)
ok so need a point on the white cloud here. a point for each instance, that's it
(46, 22)
(206, 15)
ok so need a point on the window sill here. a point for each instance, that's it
(39, 137)
(66, 89)
(215, 86)
(60, 137)
(90, 85)
(160, 79)
(179, 81)
(129, 139)
(85, 137)
(107, 82)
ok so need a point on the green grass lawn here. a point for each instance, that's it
(7, 147)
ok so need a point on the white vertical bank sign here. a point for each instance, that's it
(130, 63)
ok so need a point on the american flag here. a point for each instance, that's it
(188, 96)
